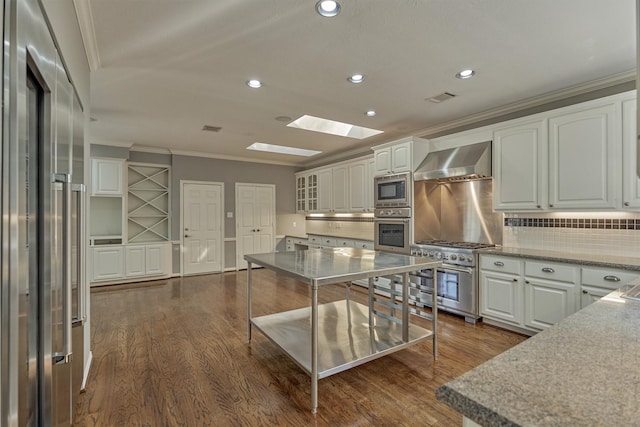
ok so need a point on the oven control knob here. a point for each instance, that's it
(432, 254)
(439, 255)
(453, 257)
(469, 259)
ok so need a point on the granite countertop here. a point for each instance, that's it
(626, 263)
(584, 371)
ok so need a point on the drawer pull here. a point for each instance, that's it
(612, 278)
(498, 263)
(548, 270)
(584, 291)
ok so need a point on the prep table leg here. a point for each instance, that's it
(405, 307)
(371, 281)
(434, 313)
(249, 302)
(314, 348)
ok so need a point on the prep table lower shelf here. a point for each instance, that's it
(345, 337)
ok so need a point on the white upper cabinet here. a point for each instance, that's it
(340, 187)
(107, 177)
(569, 158)
(369, 186)
(301, 193)
(582, 149)
(519, 162)
(325, 190)
(400, 156)
(358, 186)
(631, 182)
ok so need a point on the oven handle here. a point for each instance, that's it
(446, 268)
(392, 220)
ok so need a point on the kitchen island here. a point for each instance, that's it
(351, 333)
(583, 371)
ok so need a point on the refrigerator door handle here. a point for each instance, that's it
(78, 189)
(65, 355)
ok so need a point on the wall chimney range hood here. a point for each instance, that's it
(460, 163)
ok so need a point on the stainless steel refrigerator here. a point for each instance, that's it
(42, 254)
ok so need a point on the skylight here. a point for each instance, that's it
(281, 149)
(332, 127)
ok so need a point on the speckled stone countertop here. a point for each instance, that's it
(626, 263)
(584, 371)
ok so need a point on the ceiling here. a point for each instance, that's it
(162, 69)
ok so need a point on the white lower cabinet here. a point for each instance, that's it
(501, 294)
(107, 262)
(598, 282)
(122, 262)
(530, 295)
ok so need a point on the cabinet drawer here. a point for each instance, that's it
(363, 244)
(328, 241)
(551, 271)
(607, 278)
(502, 264)
(347, 243)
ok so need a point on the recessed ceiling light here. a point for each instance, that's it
(370, 113)
(356, 78)
(281, 149)
(318, 124)
(253, 83)
(328, 8)
(465, 74)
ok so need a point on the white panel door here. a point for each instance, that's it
(202, 241)
(135, 260)
(255, 220)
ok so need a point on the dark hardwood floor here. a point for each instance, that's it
(175, 353)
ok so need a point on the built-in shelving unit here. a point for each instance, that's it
(148, 218)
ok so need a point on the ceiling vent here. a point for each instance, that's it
(211, 128)
(441, 98)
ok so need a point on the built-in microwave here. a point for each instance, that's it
(393, 190)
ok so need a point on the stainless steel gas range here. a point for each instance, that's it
(457, 278)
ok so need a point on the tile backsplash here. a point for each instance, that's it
(592, 233)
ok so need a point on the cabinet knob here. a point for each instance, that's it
(187, 235)
(584, 291)
(550, 205)
(538, 206)
(515, 279)
(626, 203)
(527, 282)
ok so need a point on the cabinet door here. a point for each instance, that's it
(340, 187)
(135, 260)
(590, 294)
(107, 263)
(312, 192)
(156, 260)
(547, 303)
(325, 190)
(382, 159)
(401, 157)
(369, 186)
(358, 200)
(501, 297)
(519, 162)
(630, 181)
(301, 193)
(582, 159)
(106, 177)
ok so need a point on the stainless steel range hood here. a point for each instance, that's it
(467, 162)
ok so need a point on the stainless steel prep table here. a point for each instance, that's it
(351, 333)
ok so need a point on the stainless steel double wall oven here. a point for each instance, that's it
(393, 210)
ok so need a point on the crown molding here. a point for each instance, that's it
(87, 31)
(148, 149)
(234, 158)
(535, 101)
